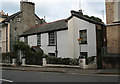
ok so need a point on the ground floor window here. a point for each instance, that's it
(26, 39)
(85, 55)
(51, 54)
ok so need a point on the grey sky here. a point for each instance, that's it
(57, 9)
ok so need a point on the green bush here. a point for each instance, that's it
(34, 58)
(90, 59)
(8, 56)
(63, 61)
(53, 60)
(74, 61)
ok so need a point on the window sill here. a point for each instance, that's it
(51, 45)
(116, 21)
(38, 45)
(83, 43)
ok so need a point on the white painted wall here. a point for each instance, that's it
(44, 44)
(76, 24)
(22, 39)
(67, 40)
(62, 43)
(32, 40)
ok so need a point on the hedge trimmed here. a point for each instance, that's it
(62, 61)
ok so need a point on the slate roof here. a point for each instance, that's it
(46, 27)
(16, 14)
(57, 25)
(11, 17)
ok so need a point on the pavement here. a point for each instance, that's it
(71, 70)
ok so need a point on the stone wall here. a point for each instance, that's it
(109, 12)
(112, 38)
(23, 21)
(113, 29)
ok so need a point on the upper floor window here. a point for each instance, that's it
(116, 11)
(52, 38)
(39, 39)
(0, 35)
(36, 22)
(26, 39)
(18, 19)
(83, 36)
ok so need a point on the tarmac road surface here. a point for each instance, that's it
(31, 76)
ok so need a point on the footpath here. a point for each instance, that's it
(69, 70)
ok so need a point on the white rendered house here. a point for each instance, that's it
(60, 38)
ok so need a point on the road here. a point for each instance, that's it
(30, 76)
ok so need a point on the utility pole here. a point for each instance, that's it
(80, 5)
(103, 14)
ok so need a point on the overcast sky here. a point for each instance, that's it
(57, 9)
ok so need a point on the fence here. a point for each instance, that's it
(110, 57)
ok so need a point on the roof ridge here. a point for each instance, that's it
(48, 23)
(12, 16)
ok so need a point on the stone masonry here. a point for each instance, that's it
(23, 21)
(113, 29)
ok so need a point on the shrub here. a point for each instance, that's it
(8, 56)
(90, 59)
(34, 58)
(63, 61)
(74, 61)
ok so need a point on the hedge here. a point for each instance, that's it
(63, 61)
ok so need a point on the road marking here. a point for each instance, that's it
(108, 75)
(6, 80)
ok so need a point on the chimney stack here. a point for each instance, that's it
(27, 7)
(77, 12)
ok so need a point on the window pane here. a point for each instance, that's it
(52, 38)
(39, 39)
(26, 39)
(83, 36)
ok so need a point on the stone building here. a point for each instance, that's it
(19, 22)
(112, 52)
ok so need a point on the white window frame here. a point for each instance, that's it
(116, 11)
(52, 38)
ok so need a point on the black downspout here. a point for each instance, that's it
(56, 51)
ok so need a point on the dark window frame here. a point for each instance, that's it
(38, 39)
(51, 54)
(26, 39)
(80, 36)
(52, 38)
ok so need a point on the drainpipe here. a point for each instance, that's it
(56, 51)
